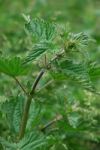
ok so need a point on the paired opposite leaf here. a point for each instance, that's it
(13, 66)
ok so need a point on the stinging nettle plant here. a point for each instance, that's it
(64, 70)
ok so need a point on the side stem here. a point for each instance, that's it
(21, 86)
(57, 118)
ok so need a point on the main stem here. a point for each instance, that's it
(27, 106)
(30, 96)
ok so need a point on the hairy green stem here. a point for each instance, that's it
(27, 106)
(30, 96)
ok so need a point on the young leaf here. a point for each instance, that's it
(41, 29)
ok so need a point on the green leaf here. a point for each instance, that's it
(31, 141)
(77, 73)
(74, 119)
(94, 70)
(41, 29)
(13, 111)
(38, 50)
(13, 66)
(8, 145)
